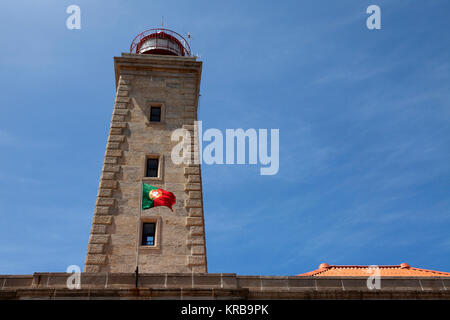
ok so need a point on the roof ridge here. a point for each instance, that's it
(401, 269)
(365, 266)
(432, 271)
(313, 273)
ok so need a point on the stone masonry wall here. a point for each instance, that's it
(143, 81)
(218, 286)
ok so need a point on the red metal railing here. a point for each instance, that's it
(163, 34)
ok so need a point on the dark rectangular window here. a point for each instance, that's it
(155, 114)
(148, 234)
(152, 167)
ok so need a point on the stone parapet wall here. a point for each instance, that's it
(217, 286)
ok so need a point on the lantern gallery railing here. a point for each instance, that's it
(160, 41)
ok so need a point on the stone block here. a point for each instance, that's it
(121, 106)
(274, 282)
(191, 170)
(196, 231)
(197, 250)
(432, 284)
(14, 281)
(190, 115)
(99, 210)
(113, 145)
(103, 219)
(98, 229)
(111, 168)
(208, 280)
(99, 238)
(189, 127)
(108, 175)
(131, 173)
(116, 138)
(193, 178)
(296, 282)
(189, 84)
(195, 212)
(92, 279)
(195, 194)
(179, 280)
(172, 115)
(446, 283)
(121, 112)
(195, 241)
(194, 221)
(173, 85)
(355, 284)
(196, 260)
(249, 282)
(105, 201)
(121, 280)
(400, 284)
(152, 281)
(110, 160)
(96, 248)
(188, 96)
(117, 131)
(104, 192)
(90, 268)
(122, 93)
(99, 259)
(117, 118)
(329, 283)
(127, 77)
(122, 100)
(120, 125)
(198, 269)
(114, 153)
(108, 184)
(193, 203)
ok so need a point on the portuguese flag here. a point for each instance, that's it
(154, 197)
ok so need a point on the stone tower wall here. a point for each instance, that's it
(142, 81)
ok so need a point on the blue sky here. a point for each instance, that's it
(364, 119)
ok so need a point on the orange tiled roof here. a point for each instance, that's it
(402, 270)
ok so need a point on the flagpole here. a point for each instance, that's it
(138, 233)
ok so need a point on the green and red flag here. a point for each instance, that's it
(154, 197)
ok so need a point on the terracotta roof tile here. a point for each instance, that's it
(402, 270)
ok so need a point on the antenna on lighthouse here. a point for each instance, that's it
(162, 22)
(189, 39)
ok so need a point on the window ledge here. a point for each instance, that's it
(147, 248)
(152, 179)
(153, 123)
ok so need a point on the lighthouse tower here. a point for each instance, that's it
(157, 90)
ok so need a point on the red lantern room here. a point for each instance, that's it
(160, 41)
